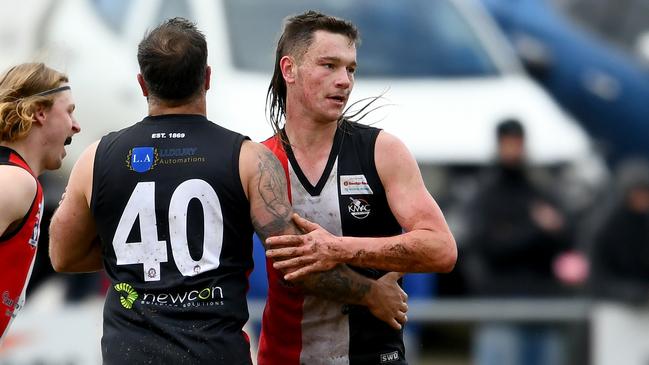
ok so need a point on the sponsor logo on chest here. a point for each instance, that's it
(12, 305)
(359, 208)
(354, 185)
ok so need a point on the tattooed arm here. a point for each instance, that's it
(426, 246)
(264, 181)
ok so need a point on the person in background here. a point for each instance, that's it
(620, 252)
(619, 278)
(517, 231)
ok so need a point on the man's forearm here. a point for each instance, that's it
(415, 251)
(86, 261)
(91, 262)
(340, 284)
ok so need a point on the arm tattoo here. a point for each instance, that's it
(340, 284)
(273, 191)
(272, 185)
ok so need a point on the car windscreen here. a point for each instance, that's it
(413, 38)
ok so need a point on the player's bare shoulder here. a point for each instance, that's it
(391, 155)
(17, 179)
(258, 164)
(387, 143)
(18, 192)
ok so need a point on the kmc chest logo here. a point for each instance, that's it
(359, 208)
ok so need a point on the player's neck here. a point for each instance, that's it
(311, 144)
(194, 106)
(310, 135)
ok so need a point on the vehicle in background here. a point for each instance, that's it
(593, 57)
(447, 73)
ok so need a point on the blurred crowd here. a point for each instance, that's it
(523, 239)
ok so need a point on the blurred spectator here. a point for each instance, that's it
(516, 232)
(620, 253)
(620, 269)
(516, 229)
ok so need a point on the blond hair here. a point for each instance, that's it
(19, 97)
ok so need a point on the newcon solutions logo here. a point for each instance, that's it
(208, 296)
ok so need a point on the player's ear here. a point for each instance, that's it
(208, 77)
(288, 67)
(40, 114)
(140, 80)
